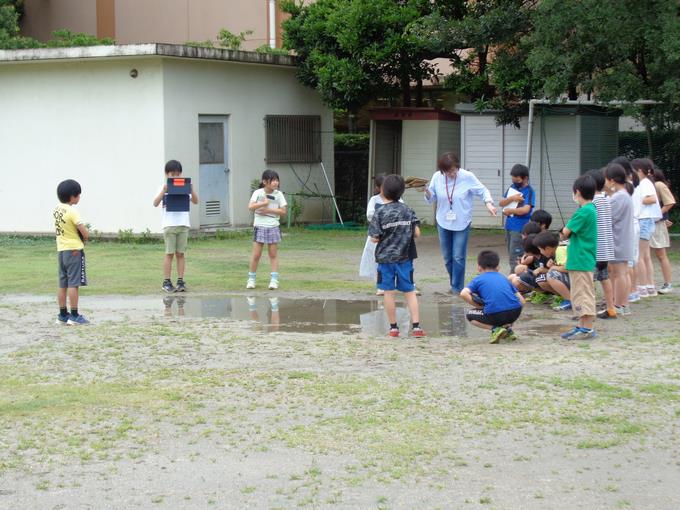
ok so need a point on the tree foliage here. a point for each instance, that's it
(353, 51)
(482, 40)
(616, 50)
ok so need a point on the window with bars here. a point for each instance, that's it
(293, 138)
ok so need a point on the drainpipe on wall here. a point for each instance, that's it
(272, 23)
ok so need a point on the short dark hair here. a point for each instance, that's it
(646, 166)
(529, 246)
(598, 177)
(488, 259)
(585, 185)
(547, 239)
(393, 187)
(519, 171)
(635, 180)
(67, 189)
(615, 172)
(267, 176)
(447, 161)
(542, 217)
(173, 166)
(378, 180)
(531, 227)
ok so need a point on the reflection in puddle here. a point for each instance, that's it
(317, 315)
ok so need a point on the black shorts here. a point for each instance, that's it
(494, 319)
(601, 272)
(528, 279)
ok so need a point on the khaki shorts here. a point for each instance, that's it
(582, 293)
(660, 237)
(175, 239)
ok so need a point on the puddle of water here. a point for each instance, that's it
(305, 315)
(316, 315)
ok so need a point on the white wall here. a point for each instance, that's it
(88, 121)
(246, 93)
(419, 144)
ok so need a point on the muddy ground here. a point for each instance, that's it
(225, 402)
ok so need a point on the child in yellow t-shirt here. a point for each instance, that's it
(71, 234)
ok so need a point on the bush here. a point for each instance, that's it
(351, 141)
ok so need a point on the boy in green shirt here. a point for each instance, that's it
(581, 230)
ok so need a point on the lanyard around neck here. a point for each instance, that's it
(449, 196)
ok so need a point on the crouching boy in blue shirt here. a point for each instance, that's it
(497, 304)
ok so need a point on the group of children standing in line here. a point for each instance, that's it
(623, 212)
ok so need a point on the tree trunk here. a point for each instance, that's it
(406, 89)
(419, 93)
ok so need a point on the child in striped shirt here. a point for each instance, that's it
(605, 245)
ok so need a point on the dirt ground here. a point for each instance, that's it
(224, 405)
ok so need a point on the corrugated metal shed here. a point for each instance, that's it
(567, 141)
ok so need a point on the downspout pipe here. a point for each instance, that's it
(272, 23)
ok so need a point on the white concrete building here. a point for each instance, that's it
(408, 141)
(111, 116)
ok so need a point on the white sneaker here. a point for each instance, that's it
(273, 284)
(251, 283)
(666, 288)
(623, 310)
(651, 291)
(642, 291)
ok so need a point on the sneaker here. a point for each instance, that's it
(251, 283)
(379, 292)
(77, 320)
(252, 303)
(566, 305)
(394, 332)
(633, 297)
(511, 336)
(497, 334)
(604, 314)
(622, 310)
(418, 332)
(568, 334)
(651, 291)
(580, 334)
(642, 291)
(666, 288)
(62, 319)
(273, 284)
(167, 286)
(181, 286)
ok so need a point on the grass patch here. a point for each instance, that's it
(309, 260)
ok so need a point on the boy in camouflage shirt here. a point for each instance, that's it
(394, 227)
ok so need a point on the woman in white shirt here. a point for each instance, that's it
(650, 213)
(454, 189)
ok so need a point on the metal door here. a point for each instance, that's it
(213, 170)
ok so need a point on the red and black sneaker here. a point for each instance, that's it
(394, 332)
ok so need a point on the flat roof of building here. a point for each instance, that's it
(144, 50)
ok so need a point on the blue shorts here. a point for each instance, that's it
(397, 276)
(647, 227)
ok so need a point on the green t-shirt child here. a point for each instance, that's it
(582, 249)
